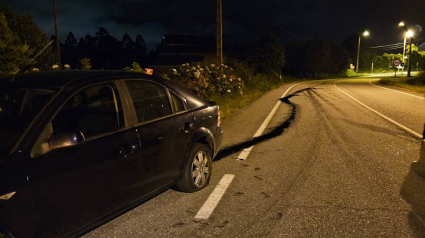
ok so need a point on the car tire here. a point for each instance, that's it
(197, 169)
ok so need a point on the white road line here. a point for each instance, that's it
(382, 115)
(244, 154)
(394, 90)
(212, 201)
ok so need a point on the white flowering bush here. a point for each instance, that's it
(136, 67)
(207, 79)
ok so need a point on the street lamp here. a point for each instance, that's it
(409, 33)
(365, 33)
(409, 65)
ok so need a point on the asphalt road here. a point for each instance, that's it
(328, 164)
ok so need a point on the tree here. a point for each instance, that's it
(106, 41)
(316, 58)
(91, 41)
(414, 49)
(366, 54)
(70, 42)
(141, 45)
(268, 56)
(85, 63)
(29, 33)
(13, 54)
(127, 42)
(385, 61)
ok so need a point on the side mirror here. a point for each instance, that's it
(67, 138)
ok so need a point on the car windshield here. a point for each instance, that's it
(18, 107)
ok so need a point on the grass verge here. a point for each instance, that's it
(252, 91)
(416, 83)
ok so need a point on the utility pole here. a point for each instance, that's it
(219, 34)
(57, 35)
(358, 54)
(365, 33)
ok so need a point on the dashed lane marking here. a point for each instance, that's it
(215, 197)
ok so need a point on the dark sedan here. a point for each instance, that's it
(80, 147)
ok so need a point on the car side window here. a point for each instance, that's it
(92, 111)
(150, 100)
(176, 103)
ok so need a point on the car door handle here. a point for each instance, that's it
(127, 150)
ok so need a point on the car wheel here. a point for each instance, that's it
(197, 170)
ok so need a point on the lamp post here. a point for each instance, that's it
(409, 65)
(365, 33)
(409, 33)
(401, 24)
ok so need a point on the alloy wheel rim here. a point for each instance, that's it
(200, 169)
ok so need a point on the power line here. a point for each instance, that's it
(381, 46)
(385, 49)
(289, 33)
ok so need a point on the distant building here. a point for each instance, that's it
(176, 50)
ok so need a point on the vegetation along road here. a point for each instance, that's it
(336, 159)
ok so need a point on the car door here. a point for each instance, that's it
(74, 186)
(164, 125)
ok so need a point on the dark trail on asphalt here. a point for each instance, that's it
(277, 131)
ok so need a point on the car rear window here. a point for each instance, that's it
(150, 100)
(176, 103)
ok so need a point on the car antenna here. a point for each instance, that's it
(41, 51)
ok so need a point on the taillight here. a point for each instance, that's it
(218, 117)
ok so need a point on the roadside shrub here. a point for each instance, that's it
(85, 63)
(350, 73)
(207, 79)
(136, 67)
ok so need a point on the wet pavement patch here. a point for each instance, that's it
(178, 224)
(265, 195)
(222, 225)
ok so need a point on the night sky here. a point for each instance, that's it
(243, 21)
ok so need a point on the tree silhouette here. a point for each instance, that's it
(141, 45)
(127, 42)
(70, 42)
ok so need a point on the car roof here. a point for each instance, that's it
(60, 78)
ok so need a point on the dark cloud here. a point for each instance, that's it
(243, 21)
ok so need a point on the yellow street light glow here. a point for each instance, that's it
(401, 24)
(409, 33)
(366, 33)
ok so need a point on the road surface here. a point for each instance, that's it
(334, 160)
